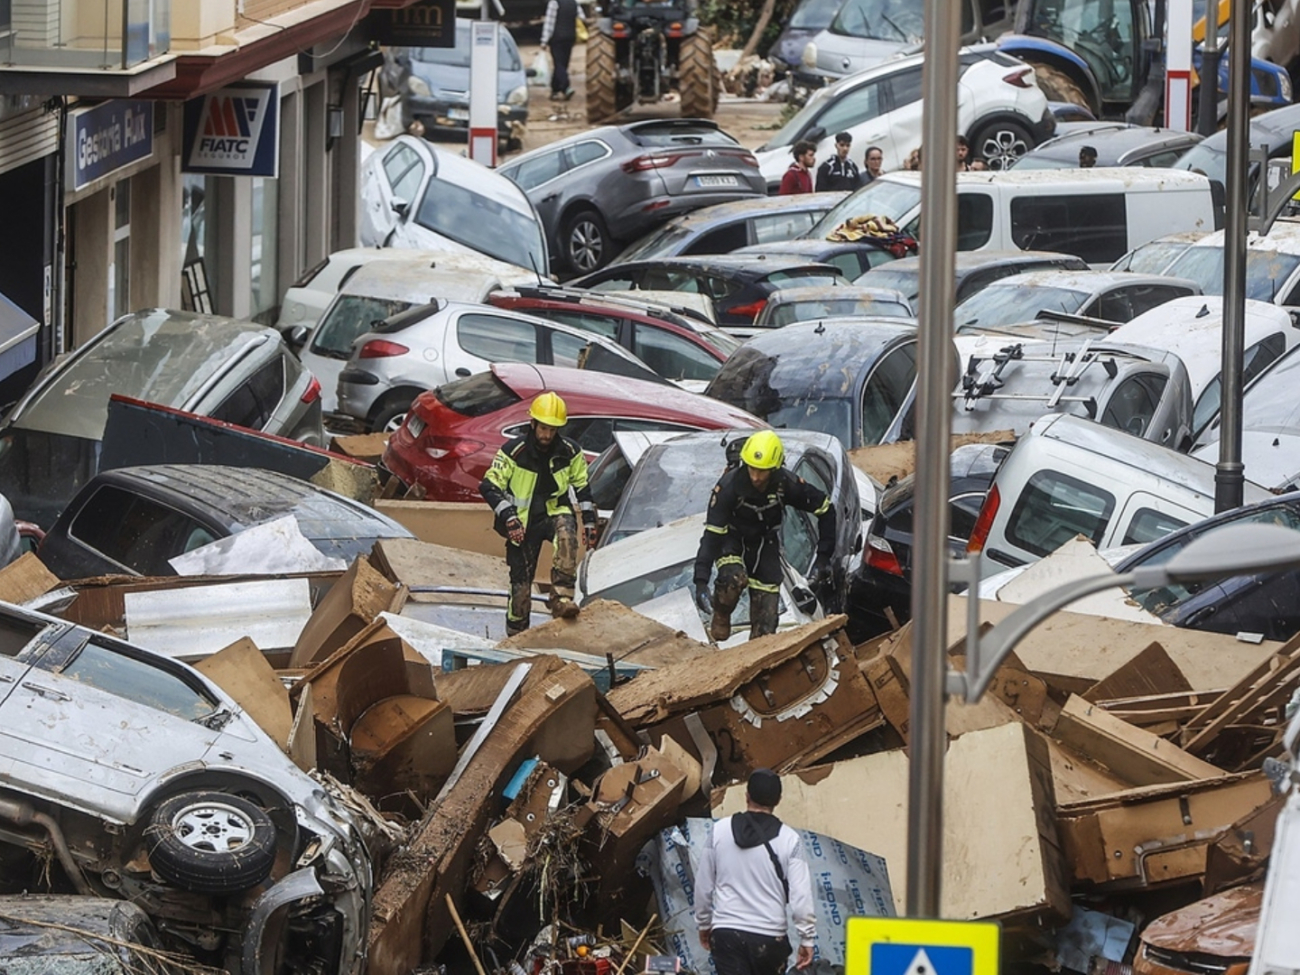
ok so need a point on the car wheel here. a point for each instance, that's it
(391, 417)
(1002, 143)
(211, 843)
(586, 241)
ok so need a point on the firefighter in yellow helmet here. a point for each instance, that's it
(528, 488)
(742, 536)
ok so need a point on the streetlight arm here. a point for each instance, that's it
(984, 654)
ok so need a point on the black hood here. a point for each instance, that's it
(750, 829)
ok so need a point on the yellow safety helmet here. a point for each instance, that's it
(548, 408)
(763, 451)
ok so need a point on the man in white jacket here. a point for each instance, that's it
(753, 867)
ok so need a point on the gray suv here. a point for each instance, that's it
(217, 367)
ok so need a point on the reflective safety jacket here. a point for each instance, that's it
(737, 507)
(512, 479)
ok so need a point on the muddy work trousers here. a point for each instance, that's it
(753, 564)
(746, 953)
(562, 532)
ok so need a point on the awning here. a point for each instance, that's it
(18, 336)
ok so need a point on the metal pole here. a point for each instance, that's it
(934, 421)
(1207, 122)
(1229, 474)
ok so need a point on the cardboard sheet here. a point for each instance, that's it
(846, 881)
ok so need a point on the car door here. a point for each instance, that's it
(477, 339)
(885, 393)
(539, 178)
(391, 177)
(863, 113)
(903, 106)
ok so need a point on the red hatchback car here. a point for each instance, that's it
(452, 432)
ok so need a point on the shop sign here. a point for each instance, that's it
(234, 131)
(107, 137)
(429, 23)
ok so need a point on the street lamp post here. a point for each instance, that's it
(1232, 550)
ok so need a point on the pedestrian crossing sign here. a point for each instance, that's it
(904, 946)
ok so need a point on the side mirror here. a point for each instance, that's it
(805, 600)
(815, 134)
(401, 208)
(530, 73)
(296, 337)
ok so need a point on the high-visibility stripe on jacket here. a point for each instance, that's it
(512, 479)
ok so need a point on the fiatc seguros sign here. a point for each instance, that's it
(234, 131)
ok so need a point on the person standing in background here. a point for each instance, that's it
(559, 32)
(839, 172)
(798, 178)
(873, 164)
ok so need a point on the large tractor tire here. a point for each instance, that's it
(1059, 86)
(697, 77)
(601, 78)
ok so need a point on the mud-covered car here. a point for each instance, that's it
(127, 774)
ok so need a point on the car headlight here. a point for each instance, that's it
(419, 87)
(809, 58)
(518, 97)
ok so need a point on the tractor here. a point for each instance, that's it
(641, 51)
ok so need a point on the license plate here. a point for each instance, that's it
(414, 426)
(717, 181)
(458, 114)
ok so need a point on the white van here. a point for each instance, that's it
(1096, 214)
(1069, 476)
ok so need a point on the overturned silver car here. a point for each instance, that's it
(126, 774)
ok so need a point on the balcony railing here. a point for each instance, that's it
(105, 35)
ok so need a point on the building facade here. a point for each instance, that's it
(95, 151)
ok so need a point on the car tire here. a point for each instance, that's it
(390, 416)
(1059, 86)
(697, 77)
(585, 241)
(602, 75)
(211, 843)
(1001, 143)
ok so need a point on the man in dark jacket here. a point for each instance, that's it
(528, 488)
(742, 536)
(839, 172)
(559, 32)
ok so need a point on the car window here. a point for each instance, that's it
(1133, 404)
(534, 172)
(1093, 227)
(15, 634)
(253, 404)
(1256, 359)
(798, 540)
(566, 348)
(1163, 159)
(1148, 525)
(585, 152)
(782, 226)
(621, 281)
(477, 395)
(720, 240)
(963, 510)
(482, 223)
(1145, 297)
(592, 433)
(497, 339)
(671, 355)
(799, 279)
(135, 531)
(588, 322)
(905, 88)
(853, 108)
(116, 672)
(1053, 508)
(849, 263)
(886, 390)
(974, 220)
(814, 473)
(404, 169)
(347, 319)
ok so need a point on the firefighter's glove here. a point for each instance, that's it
(702, 599)
(821, 574)
(515, 530)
